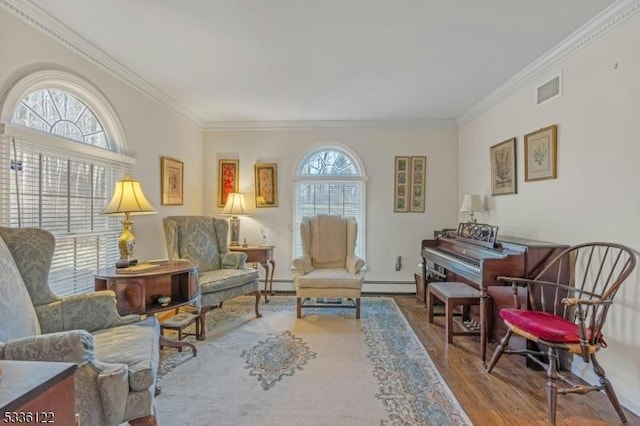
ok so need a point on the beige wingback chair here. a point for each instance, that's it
(117, 356)
(328, 267)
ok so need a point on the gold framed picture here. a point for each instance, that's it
(541, 154)
(266, 181)
(503, 168)
(228, 176)
(171, 181)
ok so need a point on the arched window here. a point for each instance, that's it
(330, 180)
(62, 114)
(64, 146)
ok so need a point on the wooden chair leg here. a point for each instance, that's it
(358, 308)
(608, 388)
(257, 309)
(299, 307)
(202, 319)
(499, 350)
(144, 421)
(552, 386)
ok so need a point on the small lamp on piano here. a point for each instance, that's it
(128, 199)
(472, 204)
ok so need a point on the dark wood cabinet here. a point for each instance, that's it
(37, 392)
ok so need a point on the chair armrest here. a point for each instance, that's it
(572, 301)
(93, 311)
(233, 260)
(516, 280)
(65, 346)
(354, 264)
(302, 265)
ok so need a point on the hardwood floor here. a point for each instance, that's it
(511, 394)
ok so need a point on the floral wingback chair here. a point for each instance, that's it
(221, 274)
(117, 356)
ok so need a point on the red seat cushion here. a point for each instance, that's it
(543, 325)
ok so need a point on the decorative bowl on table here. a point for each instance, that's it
(164, 300)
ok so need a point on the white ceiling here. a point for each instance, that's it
(292, 60)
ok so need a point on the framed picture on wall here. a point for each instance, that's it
(266, 181)
(401, 184)
(418, 184)
(228, 174)
(171, 181)
(541, 154)
(503, 167)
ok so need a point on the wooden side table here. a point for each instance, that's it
(138, 290)
(35, 392)
(264, 256)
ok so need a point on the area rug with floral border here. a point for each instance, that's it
(326, 368)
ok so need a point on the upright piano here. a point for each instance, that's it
(476, 255)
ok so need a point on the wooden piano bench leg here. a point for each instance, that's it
(430, 301)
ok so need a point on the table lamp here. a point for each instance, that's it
(472, 204)
(235, 207)
(128, 199)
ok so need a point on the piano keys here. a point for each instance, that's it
(477, 256)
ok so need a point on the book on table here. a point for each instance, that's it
(137, 269)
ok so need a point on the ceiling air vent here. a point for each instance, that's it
(549, 90)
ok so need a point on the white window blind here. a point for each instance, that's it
(63, 191)
(330, 182)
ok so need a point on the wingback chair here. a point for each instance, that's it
(222, 274)
(117, 356)
(328, 267)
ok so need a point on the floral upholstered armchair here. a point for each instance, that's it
(221, 274)
(117, 356)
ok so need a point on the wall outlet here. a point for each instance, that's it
(398, 263)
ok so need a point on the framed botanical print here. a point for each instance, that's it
(541, 154)
(266, 181)
(228, 171)
(418, 184)
(503, 167)
(401, 184)
(171, 181)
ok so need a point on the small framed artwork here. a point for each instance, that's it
(266, 177)
(171, 181)
(418, 184)
(503, 168)
(541, 154)
(401, 184)
(228, 174)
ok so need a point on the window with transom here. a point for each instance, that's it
(330, 180)
(62, 168)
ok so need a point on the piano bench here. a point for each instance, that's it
(454, 294)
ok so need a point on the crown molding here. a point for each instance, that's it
(601, 24)
(327, 124)
(38, 18)
(607, 20)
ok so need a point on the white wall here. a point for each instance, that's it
(151, 130)
(596, 195)
(389, 234)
